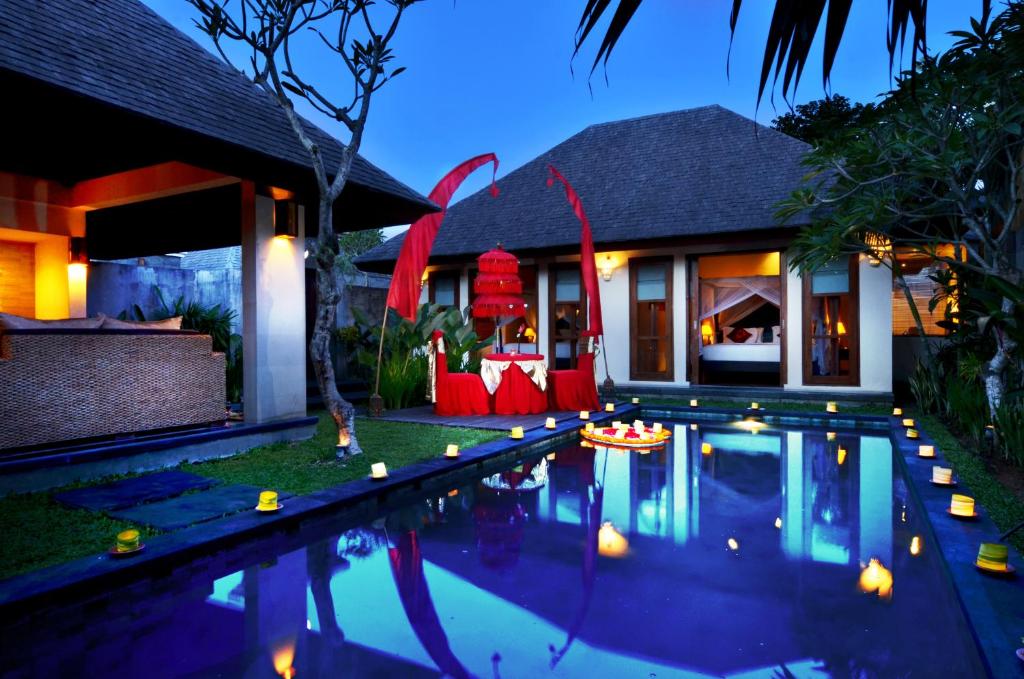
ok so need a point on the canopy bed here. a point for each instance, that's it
(740, 329)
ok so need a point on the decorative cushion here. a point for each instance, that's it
(173, 323)
(776, 333)
(739, 335)
(12, 322)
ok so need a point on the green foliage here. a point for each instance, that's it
(1009, 422)
(822, 119)
(967, 406)
(403, 373)
(926, 385)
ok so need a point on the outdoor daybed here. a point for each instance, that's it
(66, 383)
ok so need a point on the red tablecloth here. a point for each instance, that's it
(517, 394)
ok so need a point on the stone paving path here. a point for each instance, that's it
(166, 500)
(134, 491)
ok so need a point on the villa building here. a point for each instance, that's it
(131, 140)
(695, 288)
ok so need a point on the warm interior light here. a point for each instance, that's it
(841, 328)
(611, 542)
(876, 578)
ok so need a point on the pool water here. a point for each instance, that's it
(738, 550)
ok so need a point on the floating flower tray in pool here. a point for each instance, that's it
(633, 438)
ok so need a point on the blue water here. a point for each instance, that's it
(747, 561)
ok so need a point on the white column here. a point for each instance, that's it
(543, 313)
(274, 314)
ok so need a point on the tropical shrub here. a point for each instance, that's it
(926, 385)
(967, 406)
(1009, 422)
(403, 368)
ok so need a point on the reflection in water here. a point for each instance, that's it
(776, 550)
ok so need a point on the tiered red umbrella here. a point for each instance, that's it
(497, 288)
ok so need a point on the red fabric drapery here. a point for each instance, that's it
(574, 389)
(588, 268)
(457, 393)
(518, 395)
(407, 567)
(404, 293)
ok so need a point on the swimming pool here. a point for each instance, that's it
(737, 550)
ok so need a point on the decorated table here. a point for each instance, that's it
(518, 382)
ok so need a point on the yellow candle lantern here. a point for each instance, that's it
(706, 448)
(378, 470)
(590, 426)
(609, 407)
(924, 450)
(912, 434)
(549, 423)
(832, 407)
(584, 414)
(693, 403)
(754, 405)
(616, 424)
(452, 450)
(961, 505)
(942, 476)
(830, 436)
(517, 432)
(657, 427)
(638, 425)
(908, 422)
(635, 401)
(897, 412)
(693, 426)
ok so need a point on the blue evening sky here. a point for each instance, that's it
(494, 75)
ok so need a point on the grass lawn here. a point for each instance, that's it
(1004, 506)
(308, 466)
(37, 531)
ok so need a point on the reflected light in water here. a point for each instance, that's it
(610, 542)
(841, 455)
(751, 425)
(733, 544)
(284, 656)
(915, 545)
(876, 578)
(778, 522)
(706, 448)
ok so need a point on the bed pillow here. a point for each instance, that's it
(173, 323)
(776, 333)
(739, 335)
(13, 322)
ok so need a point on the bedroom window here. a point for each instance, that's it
(650, 297)
(831, 337)
(566, 301)
(528, 323)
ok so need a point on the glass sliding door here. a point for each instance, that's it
(650, 317)
(566, 302)
(831, 333)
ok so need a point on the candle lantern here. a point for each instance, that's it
(378, 470)
(549, 423)
(452, 450)
(584, 414)
(517, 432)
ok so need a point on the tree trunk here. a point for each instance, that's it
(995, 374)
(328, 294)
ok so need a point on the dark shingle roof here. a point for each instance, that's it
(124, 54)
(696, 172)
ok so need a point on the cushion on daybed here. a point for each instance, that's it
(12, 322)
(173, 323)
(739, 335)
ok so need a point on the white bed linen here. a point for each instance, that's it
(767, 353)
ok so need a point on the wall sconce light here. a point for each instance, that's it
(607, 267)
(77, 253)
(286, 219)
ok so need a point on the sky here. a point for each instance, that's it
(494, 75)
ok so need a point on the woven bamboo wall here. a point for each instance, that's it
(60, 387)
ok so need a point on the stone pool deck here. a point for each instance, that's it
(993, 606)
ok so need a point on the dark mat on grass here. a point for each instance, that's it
(135, 491)
(194, 508)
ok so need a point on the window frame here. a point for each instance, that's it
(432, 278)
(553, 336)
(634, 338)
